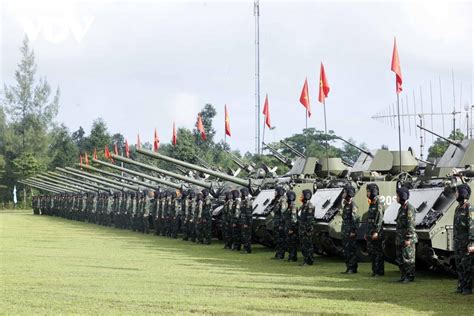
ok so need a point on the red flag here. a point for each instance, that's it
(323, 85)
(95, 153)
(138, 142)
(127, 150)
(156, 141)
(266, 112)
(87, 159)
(200, 127)
(174, 139)
(396, 68)
(80, 160)
(107, 152)
(304, 98)
(115, 149)
(227, 121)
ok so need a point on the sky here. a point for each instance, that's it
(141, 65)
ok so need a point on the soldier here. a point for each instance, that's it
(146, 213)
(198, 215)
(206, 217)
(291, 226)
(157, 212)
(174, 211)
(464, 239)
(406, 237)
(349, 227)
(186, 211)
(192, 216)
(279, 208)
(246, 220)
(226, 221)
(306, 223)
(235, 220)
(374, 234)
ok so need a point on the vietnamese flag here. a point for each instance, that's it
(127, 150)
(200, 127)
(87, 159)
(115, 149)
(138, 142)
(304, 98)
(227, 121)
(323, 85)
(266, 112)
(174, 139)
(396, 68)
(95, 153)
(107, 152)
(156, 141)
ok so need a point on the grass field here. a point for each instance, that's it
(51, 266)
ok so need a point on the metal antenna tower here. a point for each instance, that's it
(256, 13)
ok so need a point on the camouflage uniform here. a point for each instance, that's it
(278, 211)
(207, 219)
(226, 221)
(246, 220)
(193, 217)
(374, 225)
(291, 226)
(405, 231)
(464, 238)
(235, 220)
(186, 210)
(349, 227)
(306, 225)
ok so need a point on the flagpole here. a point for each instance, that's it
(306, 128)
(326, 132)
(399, 133)
(263, 134)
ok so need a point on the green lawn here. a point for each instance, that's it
(51, 266)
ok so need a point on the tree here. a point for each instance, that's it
(349, 153)
(440, 145)
(79, 139)
(99, 137)
(185, 148)
(63, 149)
(207, 114)
(28, 103)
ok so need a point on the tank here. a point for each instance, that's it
(433, 196)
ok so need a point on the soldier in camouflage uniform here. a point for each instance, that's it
(464, 239)
(291, 226)
(406, 238)
(206, 218)
(306, 226)
(246, 220)
(157, 213)
(147, 211)
(186, 211)
(235, 220)
(374, 234)
(349, 227)
(226, 221)
(174, 214)
(279, 208)
(192, 216)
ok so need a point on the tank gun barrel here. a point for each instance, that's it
(452, 142)
(191, 166)
(293, 150)
(51, 185)
(65, 183)
(140, 174)
(103, 172)
(40, 187)
(368, 153)
(91, 186)
(101, 178)
(249, 167)
(163, 171)
(286, 161)
(88, 178)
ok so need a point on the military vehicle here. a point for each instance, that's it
(433, 196)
